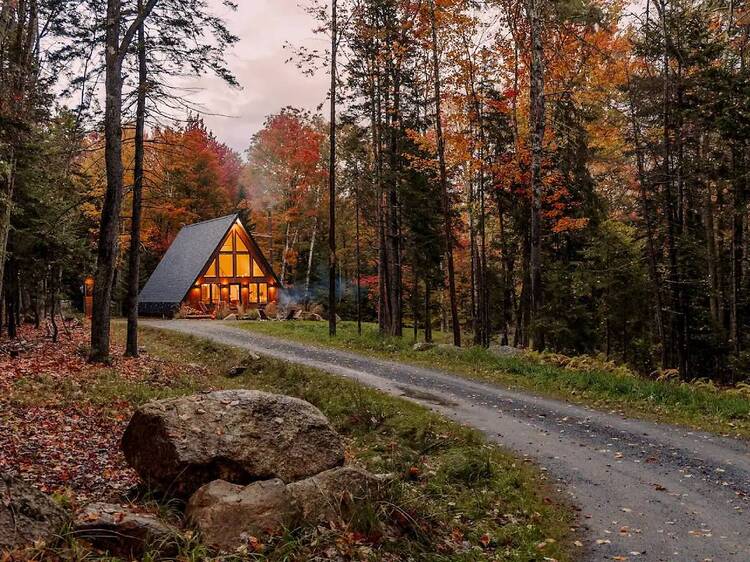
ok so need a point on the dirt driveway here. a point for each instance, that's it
(646, 491)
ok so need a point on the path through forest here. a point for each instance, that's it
(646, 491)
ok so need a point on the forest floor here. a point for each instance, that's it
(647, 491)
(456, 497)
(587, 382)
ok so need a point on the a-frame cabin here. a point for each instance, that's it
(210, 262)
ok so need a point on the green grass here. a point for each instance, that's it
(454, 496)
(682, 404)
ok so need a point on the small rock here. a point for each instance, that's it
(174, 448)
(310, 316)
(504, 350)
(27, 516)
(227, 514)
(423, 346)
(125, 532)
(237, 371)
(332, 494)
(450, 348)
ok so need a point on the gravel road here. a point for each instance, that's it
(646, 491)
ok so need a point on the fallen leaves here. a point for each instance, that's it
(51, 431)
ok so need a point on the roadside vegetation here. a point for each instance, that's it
(454, 496)
(584, 380)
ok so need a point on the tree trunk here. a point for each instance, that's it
(675, 325)
(427, 313)
(7, 184)
(736, 262)
(332, 183)
(107, 251)
(393, 227)
(11, 300)
(447, 210)
(650, 234)
(283, 257)
(54, 278)
(537, 111)
(359, 263)
(313, 237)
(134, 265)
(110, 219)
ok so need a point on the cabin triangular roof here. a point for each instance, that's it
(184, 261)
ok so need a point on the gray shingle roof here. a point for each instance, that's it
(184, 261)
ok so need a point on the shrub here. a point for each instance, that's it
(222, 310)
(272, 309)
(251, 314)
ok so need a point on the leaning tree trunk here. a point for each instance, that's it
(283, 256)
(313, 237)
(134, 265)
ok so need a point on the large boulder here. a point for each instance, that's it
(333, 494)
(227, 515)
(125, 532)
(27, 516)
(240, 436)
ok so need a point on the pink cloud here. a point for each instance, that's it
(258, 61)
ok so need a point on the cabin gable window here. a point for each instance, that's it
(243, 265)
(226, 265)
(235, 274)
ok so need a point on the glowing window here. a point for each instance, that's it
(240, 245)
(226, 265)
(234, 293)
(253, 293)
(262, 292)
(209, 293)
(243, 265)
(228, 246)
(257, 271)
(211, 271)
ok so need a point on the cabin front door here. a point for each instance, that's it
(234, 294)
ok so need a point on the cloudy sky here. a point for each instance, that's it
(268, 84)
